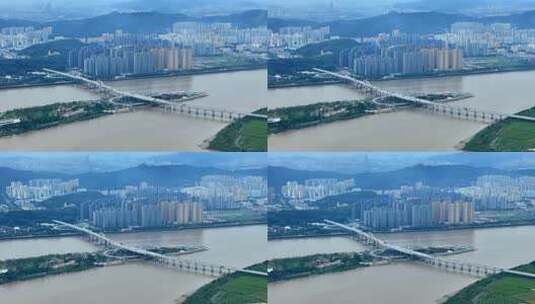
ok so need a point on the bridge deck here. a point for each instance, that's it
(429, 258)
(420, 101)
(150, 254)
(150, 99)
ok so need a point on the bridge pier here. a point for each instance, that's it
(212, 114)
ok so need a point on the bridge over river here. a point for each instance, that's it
(436, 107)
(196, 111)
(170, 261)
(445, 264)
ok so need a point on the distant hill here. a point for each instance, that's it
(441, 5)
(16, 23)
(146, 22)
(138, 23)
(7, 175)
(278, 176)
(420, 23)
(427, 22)
(251, 18)
(183, 5)
(275, 24)
(218, 160)
(475, 6)
(520, 20)
(440, 176)
(60, 46)
(58, 202)
(169, 176)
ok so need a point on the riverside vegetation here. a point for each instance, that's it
(303, 116)
(500, 288)
(298, 267)
(298, 117)
(52, 115)
(509, 135)
(248, 134)
(36, 267)
(235, 288)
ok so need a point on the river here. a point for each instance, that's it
(134, 283)
(146, 130)
(141, 130)
(400, 282)
(18, 98)
(408, 129)
(247, 91)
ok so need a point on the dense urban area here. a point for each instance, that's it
(350, 130)
(460, 197)
(410, 47)
(36, 54)
(183, 204)
(427, 214)
(29, 206)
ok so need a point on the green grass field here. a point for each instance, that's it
(510, 135)
(253, 135)
(499, 289)
(245, 135)
(236, 288)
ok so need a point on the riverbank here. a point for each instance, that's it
(500, 288)
(55, 264)
(235, 288)
(460, 73)
(303, 84)
(325, 82)
(438, 229)
(23, 86)
(299, 117)
(304, 116)
(205, 71)
(38, 267)
(48, 116)
(509, 135)
(195, 227)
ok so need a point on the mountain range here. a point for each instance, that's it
(136, 22)
(167, 176)
(438, 176)
(410, 22)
